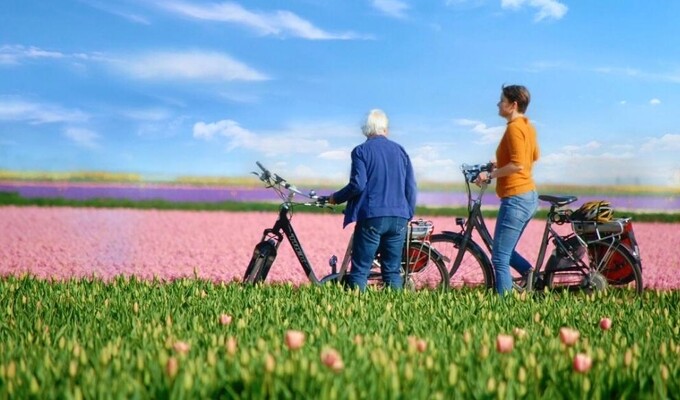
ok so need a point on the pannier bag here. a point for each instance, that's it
(417, 241)
(593, 222)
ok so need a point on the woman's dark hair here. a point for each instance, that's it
(519, 94)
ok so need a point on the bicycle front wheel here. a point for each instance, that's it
(474, 269)
(262, 260)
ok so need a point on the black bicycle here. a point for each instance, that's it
(422, 267)
(594, 256)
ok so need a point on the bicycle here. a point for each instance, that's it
(422, 267)
(594, 256)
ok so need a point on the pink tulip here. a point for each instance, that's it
(332, 359)
(569, 336)
(182, 347)
(171, 367)
(421, 345)
(231, 345)
(294, 339)
(417, 344)
(605, 323)
(225, 319)
(504, 343)
(582, 362)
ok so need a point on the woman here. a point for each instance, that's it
(515, 156)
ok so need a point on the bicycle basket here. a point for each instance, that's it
(420, 229)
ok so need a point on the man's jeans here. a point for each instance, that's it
(383, 235)
(513, 217)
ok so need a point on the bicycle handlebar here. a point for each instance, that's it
(275, 181)
(471, 172)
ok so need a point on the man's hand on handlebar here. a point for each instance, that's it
(323, 200)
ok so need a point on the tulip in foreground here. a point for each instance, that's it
(225, 319)
(417, 344)
(294, 339)
(171, 367)
(519, 333)
(231, 345)
(605, 323)
(582, 362)
(569, 336)
(504, 343)
(181, 347)
(421, 345)
(332, 359)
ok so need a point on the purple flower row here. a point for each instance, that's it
(209, 194)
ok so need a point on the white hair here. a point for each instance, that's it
(376, 123)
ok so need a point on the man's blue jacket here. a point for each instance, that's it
(381, 183)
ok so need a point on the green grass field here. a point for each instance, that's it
(133, 339)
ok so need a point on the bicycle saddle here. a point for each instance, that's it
(558, 201)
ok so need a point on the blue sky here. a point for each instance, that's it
(188, 87)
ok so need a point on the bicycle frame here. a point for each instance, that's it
(283, 227)
(266, 250)
(475, 222)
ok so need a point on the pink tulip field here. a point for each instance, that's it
(62, 243)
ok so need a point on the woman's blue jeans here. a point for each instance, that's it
(513, 217)
(380, 235)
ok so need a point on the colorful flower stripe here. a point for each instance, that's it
(79, 242)
(189, 193)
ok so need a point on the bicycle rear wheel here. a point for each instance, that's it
(611, 269)
(620, 268)
(423, 268)
(475, 268)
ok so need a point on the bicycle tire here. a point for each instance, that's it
(618, 259)
(621, 260)
(262, 259)
(475, 269)
(423, 268)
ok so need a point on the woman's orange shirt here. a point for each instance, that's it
(520, 147)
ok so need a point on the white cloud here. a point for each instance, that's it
(487, 134)
(597, 163)
(433, 163)
(37, 113)
(194, 65)
(16, 54)
(279, 23)
(285, 142)
(112, 9)
(82, 137)
(547, 9)
(392, 8)
(336, 155)
(147, 114)
(655, 102)
(667, 142)
(162, 128)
